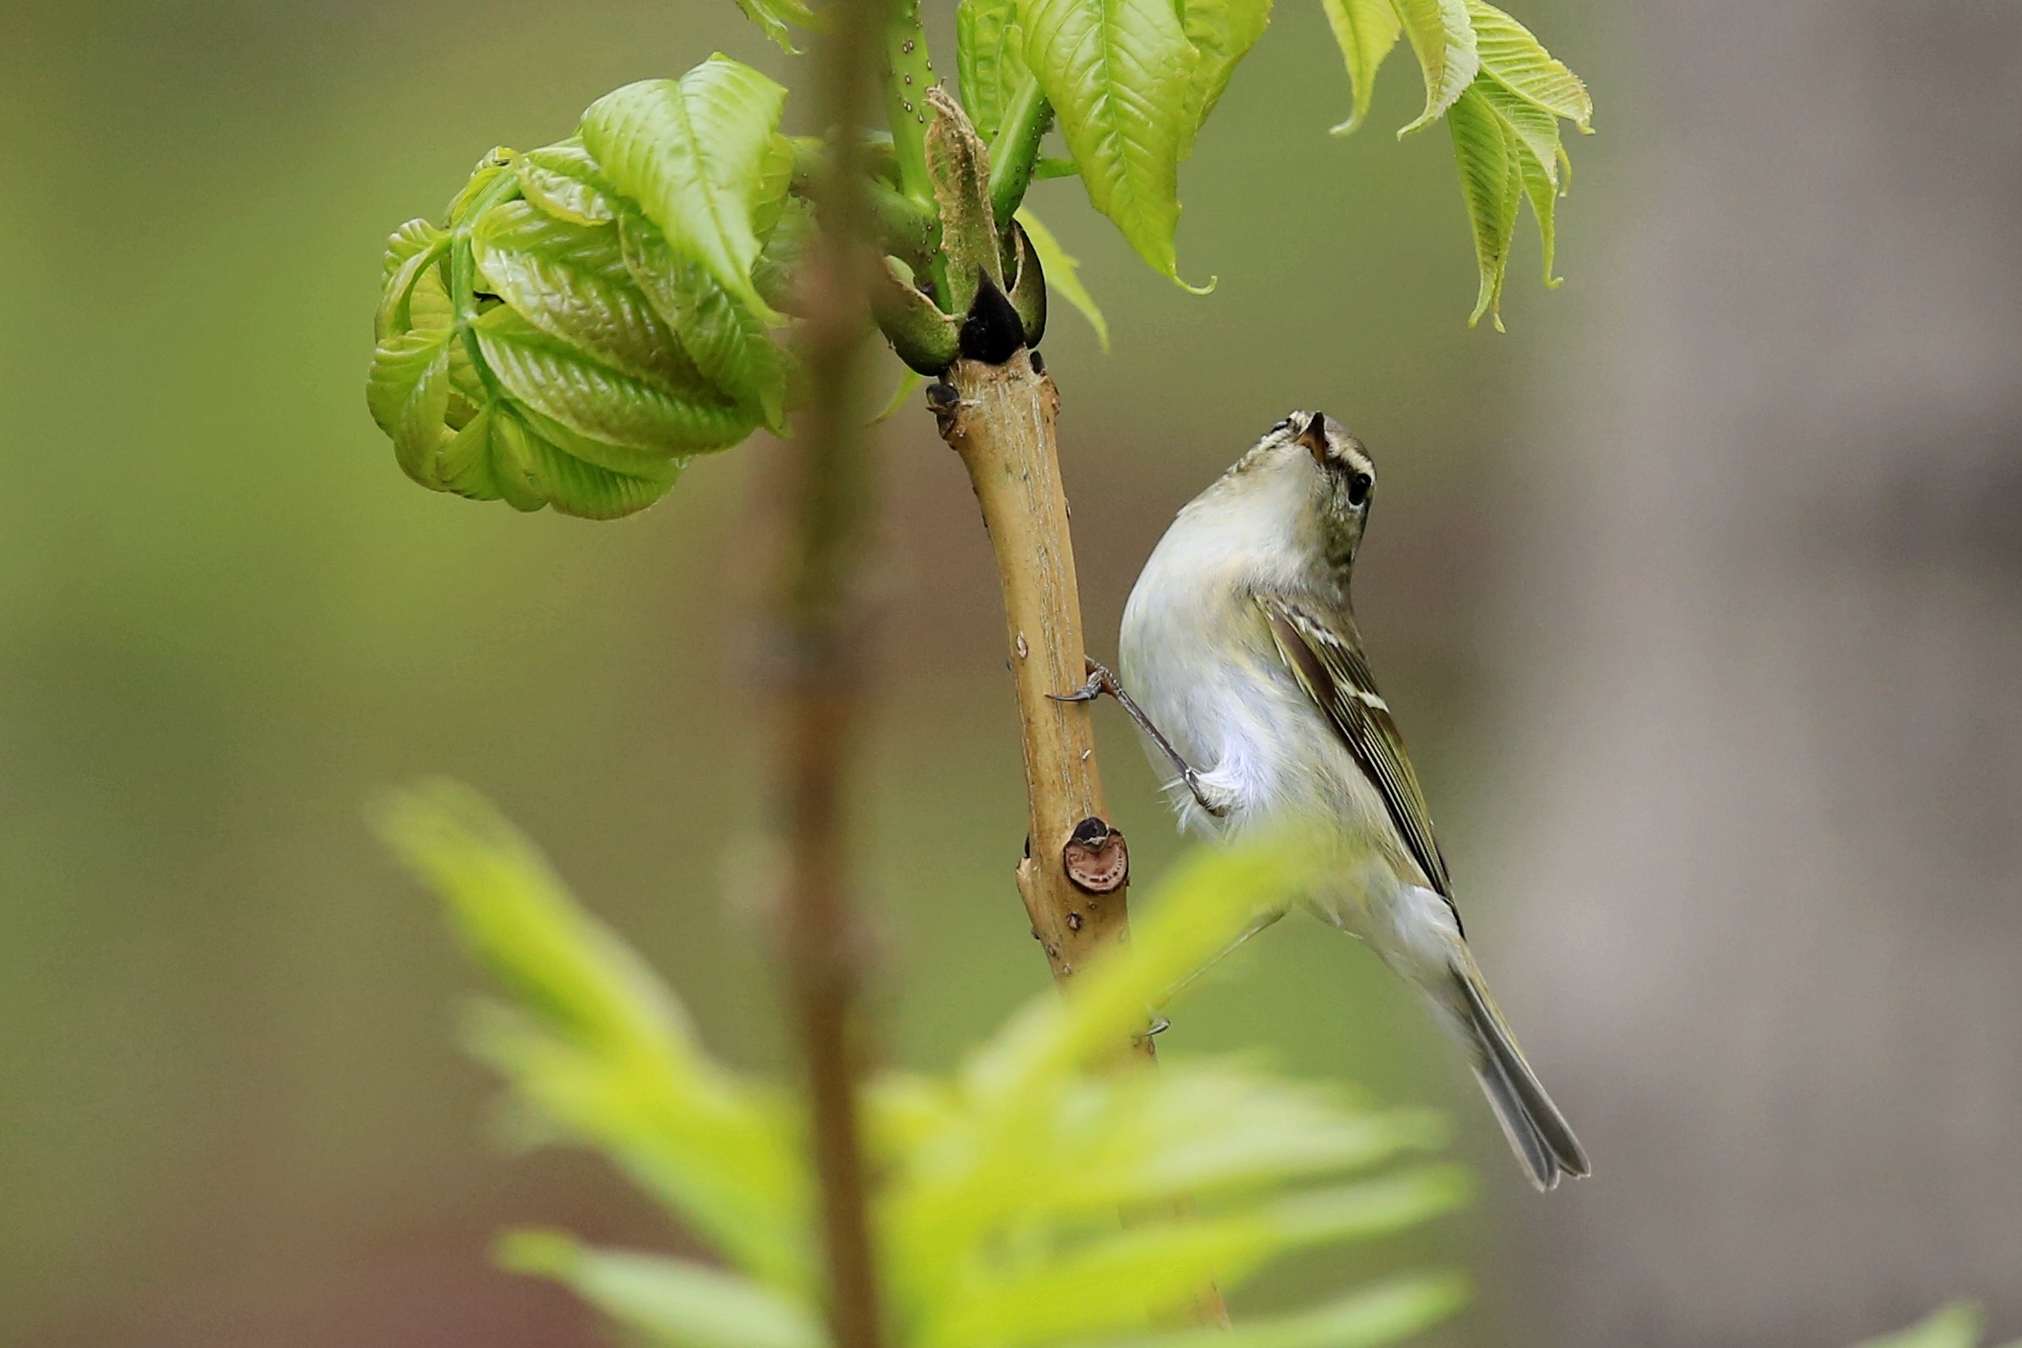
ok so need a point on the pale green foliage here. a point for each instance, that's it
(997, 1217)
(1955, 1326)
(1502, 94)
(1132, 81)
(1063, 273)
(595, 312)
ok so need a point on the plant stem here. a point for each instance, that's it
(1002, 425)
(1016, 150)
(831, 502)
(1003, 429)
(909, 73)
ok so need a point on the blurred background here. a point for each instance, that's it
(1697, 595)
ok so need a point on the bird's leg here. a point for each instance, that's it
(1101, 681)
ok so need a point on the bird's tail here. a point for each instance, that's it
(1536, 1130)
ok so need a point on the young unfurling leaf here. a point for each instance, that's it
(693, 153)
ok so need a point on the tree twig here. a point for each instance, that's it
(1000, 420)
(831, 508)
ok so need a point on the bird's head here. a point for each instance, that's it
(1317, 478)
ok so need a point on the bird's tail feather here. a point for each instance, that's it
(1536, 1130)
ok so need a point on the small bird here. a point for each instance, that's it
(1240, 644)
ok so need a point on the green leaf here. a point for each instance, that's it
(694, 154)
(779, 262)
(909, 379)
(1492, 184)
(410, 250)
(773, 16)
(484, 179)
(727, 342)
(1119, 74)
(1955, 1326)
(1365, 30)
(640, 422)
(774, 186)
(572, 283)
(601, 1048)
(1508, 150)
(1386, 1313)
(407, 391)
(1063, 273)
(1222, 32)
(675, 1302)
(1510, 53)
(1533, 134)
(565, 181)
(1443, 40)
(990, 58)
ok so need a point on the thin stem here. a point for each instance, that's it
(908, 74)
(831, 504)
(1016, 150)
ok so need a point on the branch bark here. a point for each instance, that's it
(1075, 875)
(1002, 424)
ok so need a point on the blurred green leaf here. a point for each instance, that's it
(1382, 1314)
(997, 1216)
(693, 154)
(774, 16)
(1365, 30)
(1063, 273)
(1955, 1326)
(598, 1046)
(1443, 40)
(1119, 74)
(675, 1302)
(1222, 32)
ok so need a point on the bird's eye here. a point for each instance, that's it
(1358, 488)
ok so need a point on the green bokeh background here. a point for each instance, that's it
(231, 1105)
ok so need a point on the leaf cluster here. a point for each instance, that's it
(998, 1186)
(592, 314)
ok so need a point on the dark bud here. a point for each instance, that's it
(1038, 363)
(993, 330)
(942, 394)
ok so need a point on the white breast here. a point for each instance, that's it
(1198, 657)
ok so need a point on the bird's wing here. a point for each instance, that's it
(1329, 665)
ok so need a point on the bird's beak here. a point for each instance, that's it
(1314, 438)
